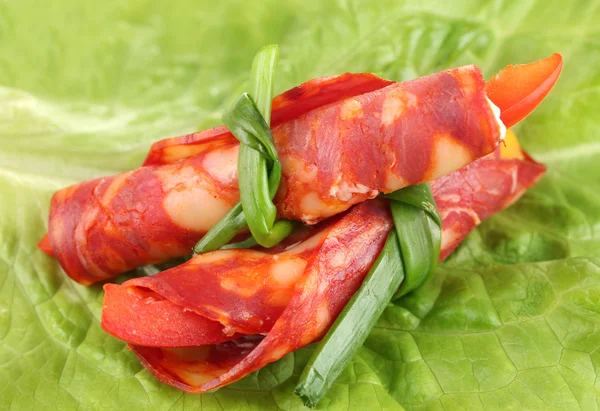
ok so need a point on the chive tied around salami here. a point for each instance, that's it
(259, 169)
(259, 172)
(407, 259)
(419, 228)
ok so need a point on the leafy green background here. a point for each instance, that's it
(511, 320)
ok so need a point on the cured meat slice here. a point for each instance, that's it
(319, 275)
(291, 301)
(107, 226)
(355, 147)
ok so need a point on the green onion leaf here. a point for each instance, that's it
(254, 192)
(222, 232)
(353, 325)
(259, 170)
(418, 226)
(420, 196)
(246, 123)
(407, 259)
(247, 243)
(263, 75)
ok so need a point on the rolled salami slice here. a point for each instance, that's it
(341, 141)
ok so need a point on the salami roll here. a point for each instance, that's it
(258, 306)
(341, 140)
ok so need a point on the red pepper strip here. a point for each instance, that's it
(335, 268)
(518, 89)
(146, 318)
(45, 245)
(286, 106)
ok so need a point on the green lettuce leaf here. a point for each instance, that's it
(512, 319)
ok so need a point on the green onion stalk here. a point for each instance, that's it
(259, 169)
(407, 259)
